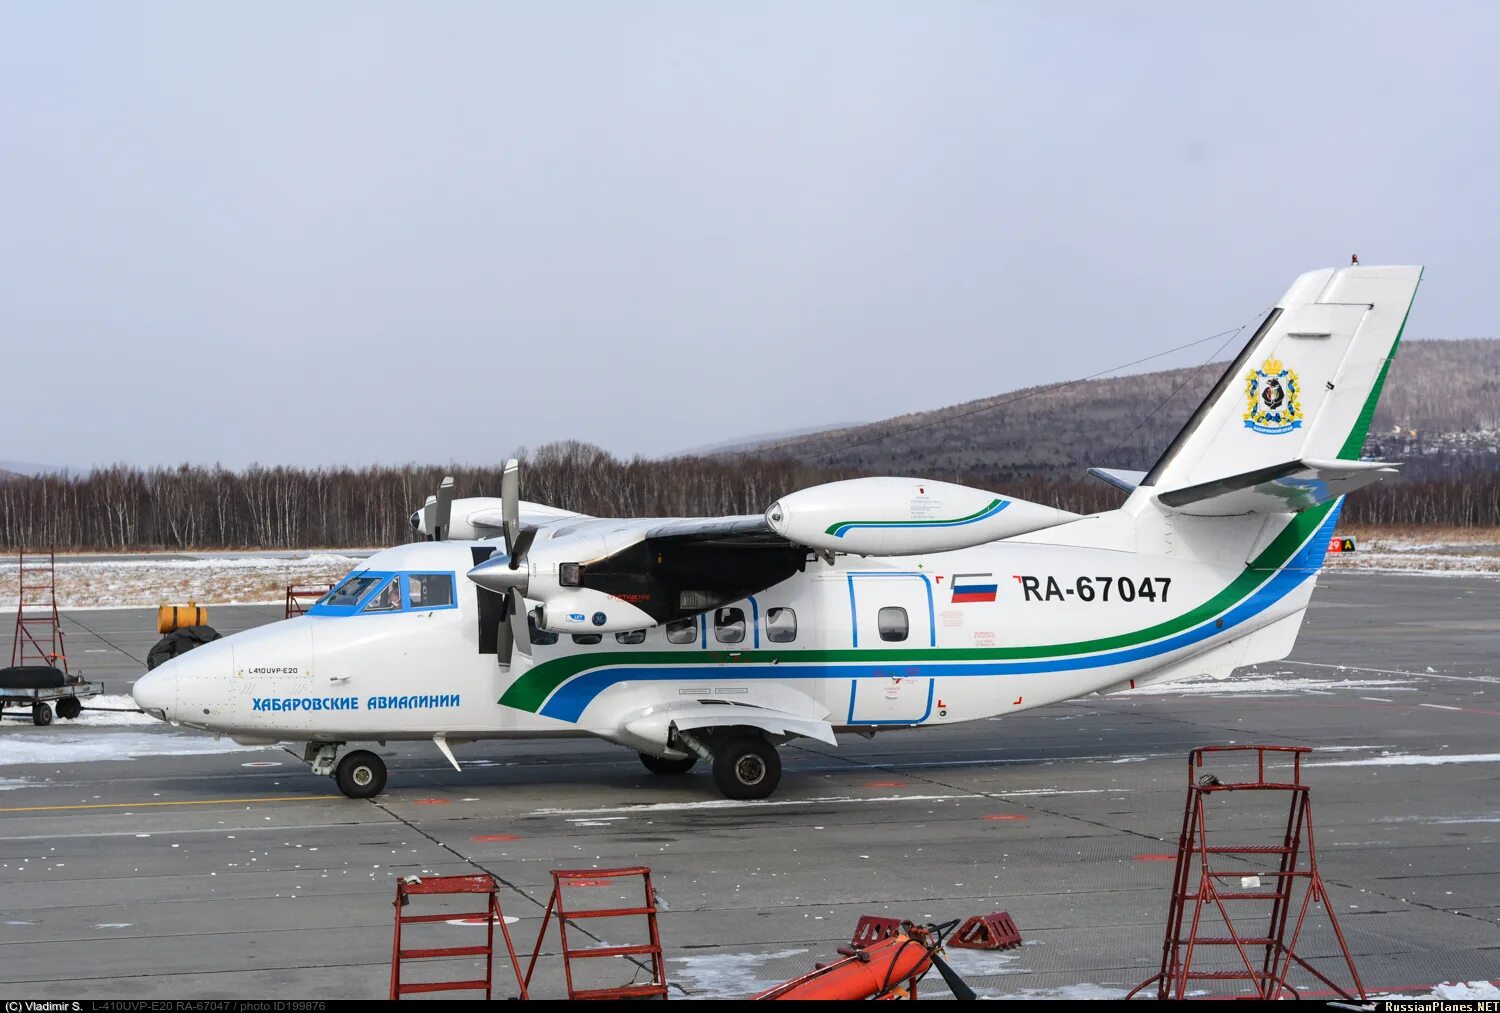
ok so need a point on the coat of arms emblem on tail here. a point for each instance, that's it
(1273, 398)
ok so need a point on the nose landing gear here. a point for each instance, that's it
(360, 774)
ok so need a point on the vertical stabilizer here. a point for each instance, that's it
(1304, 387)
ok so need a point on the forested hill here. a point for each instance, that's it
(1440, 409)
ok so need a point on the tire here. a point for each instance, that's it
(69, 708)
(360, 774)
(41, 714)
(665, 766)
(747, 768)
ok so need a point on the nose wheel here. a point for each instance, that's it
(360, 774)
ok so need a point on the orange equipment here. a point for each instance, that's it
(175, 617)
(888, 968)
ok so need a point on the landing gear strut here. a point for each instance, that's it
(666, 765)
(747, 767)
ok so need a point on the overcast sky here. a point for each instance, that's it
(322, 233)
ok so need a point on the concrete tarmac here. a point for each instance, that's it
(143, 863)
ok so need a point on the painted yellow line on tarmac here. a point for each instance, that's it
(142, 805)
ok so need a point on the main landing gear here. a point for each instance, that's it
(360, 774)
(667, 766)
(746, 765)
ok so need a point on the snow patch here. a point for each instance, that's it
(1450, 990)
(1209, 686)
(729, 975)
(119, 710)
(58, 746)
(1409, 760)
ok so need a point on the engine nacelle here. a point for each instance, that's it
(584, 610)
(904, 516)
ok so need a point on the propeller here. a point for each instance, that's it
(438, 511)
(512, 578)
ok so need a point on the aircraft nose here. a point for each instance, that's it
(156, 693)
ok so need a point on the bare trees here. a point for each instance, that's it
(124, 508)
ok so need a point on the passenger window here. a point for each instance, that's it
(631, 637)
(729, 625)
(892, 623)
(682, 631)
(781, 625)
(350, 591)
(430, 590)
(539, 637)
(587, 639)
(389, 598)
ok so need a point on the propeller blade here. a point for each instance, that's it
(956, 985)
(520, 633)
(523, 545)
(429, 511)
(510, 504)
(505, 636)
(443, 510)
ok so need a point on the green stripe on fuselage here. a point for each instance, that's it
(833, 528)
(531, 690)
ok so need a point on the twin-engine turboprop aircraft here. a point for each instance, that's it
(858, 606)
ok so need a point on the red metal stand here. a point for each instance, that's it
(562, 879)
(39, 636)
(490, 917)
(297, 596)
(988, 932)
(1262, 960)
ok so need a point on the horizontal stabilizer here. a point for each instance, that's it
(1125, 481)
(1281, 488)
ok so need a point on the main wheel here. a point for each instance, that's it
(360, 774)
(41, 714)
(665, 765)
(747, 767)
(69, 707)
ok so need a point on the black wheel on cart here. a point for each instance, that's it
(41, 714)
(667, 766)
(360, 774)
(69, 707)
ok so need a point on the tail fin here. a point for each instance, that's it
(1303, 389)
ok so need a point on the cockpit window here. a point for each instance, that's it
(430, 590)
(389, 598)
(351, 591)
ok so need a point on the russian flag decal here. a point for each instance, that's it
(969, 587)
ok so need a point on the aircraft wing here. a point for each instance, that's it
(489, 521)
(745, 529)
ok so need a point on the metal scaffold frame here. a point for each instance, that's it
(39, 635)
(1265, 959)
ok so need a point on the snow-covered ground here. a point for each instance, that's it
(1415, 550)
(207, 579)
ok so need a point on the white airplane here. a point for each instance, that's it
(854, 607)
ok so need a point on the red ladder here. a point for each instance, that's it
(562, 879)
(490, 917)
(39, 636)
(1264, 959)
